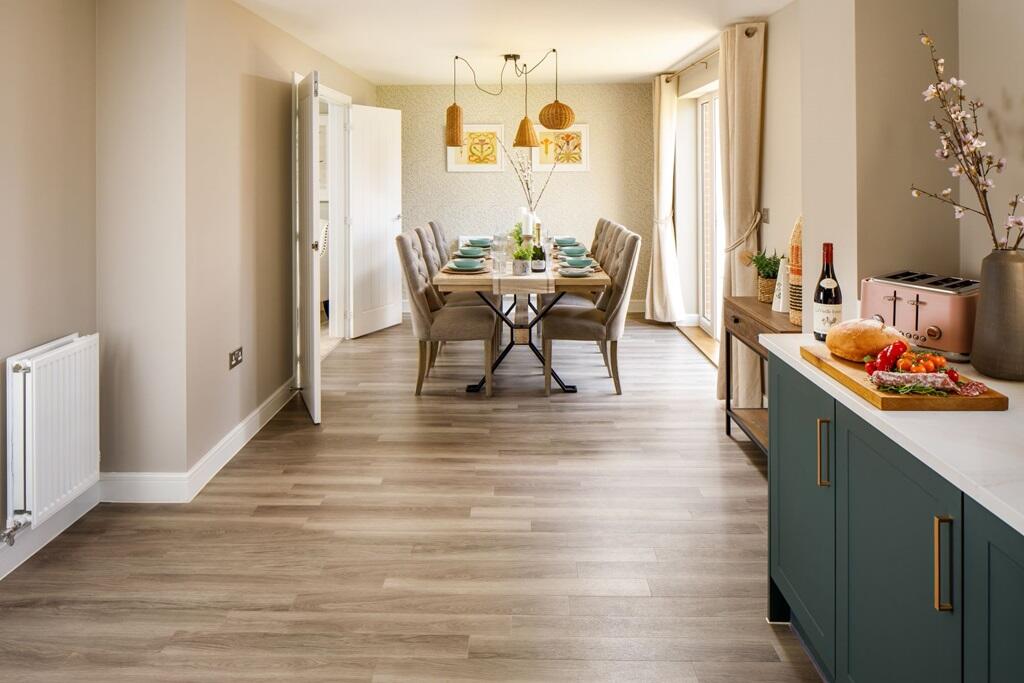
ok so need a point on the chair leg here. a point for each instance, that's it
(613, 356)
(435, 349)
(488, 361)
(547, 366)
(421, 372)
(603, 345)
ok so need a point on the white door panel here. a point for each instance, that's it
(309, 234)
(375, 218)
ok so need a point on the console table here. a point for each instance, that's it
(745, 319)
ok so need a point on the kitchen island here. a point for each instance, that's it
(896, 539)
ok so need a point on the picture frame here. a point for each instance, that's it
(575, 159)
(481, 150)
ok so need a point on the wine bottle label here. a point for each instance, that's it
(829, 283)
(827, 316)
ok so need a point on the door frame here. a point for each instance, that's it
(339, 190)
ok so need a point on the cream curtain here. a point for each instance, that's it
(664, 290)
(741, 100)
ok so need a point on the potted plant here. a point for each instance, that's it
(998, 348)
(521, 260)
(767, 273)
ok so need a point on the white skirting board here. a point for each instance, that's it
(30, 541)
(181, 487)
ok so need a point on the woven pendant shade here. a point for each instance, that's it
(557, 116)
(453, 126)
(526, 136)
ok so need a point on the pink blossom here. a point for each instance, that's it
(1000, 165)
(957, 83)
(956, 171)
(958, 212)
(930, 93)
(948, 191)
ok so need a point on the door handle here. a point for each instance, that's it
(823, 482)
(937, 546)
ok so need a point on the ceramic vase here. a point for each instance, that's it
(520, 267)
(998, 349)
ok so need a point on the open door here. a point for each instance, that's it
(308, 245)
(375, 215)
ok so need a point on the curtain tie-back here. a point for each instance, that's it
(746, 233)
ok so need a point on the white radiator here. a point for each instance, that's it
(53, 444)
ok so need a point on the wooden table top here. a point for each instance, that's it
(533, 283)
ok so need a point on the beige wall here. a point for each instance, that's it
(780, 163)
(238, 209)
(618, 185)
(990, 62)
(140, 218)
(894, 145)
(47, 176)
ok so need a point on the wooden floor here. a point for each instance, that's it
(584, 537)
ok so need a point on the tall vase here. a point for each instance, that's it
(998, 349)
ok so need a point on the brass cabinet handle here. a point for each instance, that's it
(823, 482)
(937, 544)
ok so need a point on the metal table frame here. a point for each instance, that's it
(513, 326)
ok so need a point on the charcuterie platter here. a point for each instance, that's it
(940, 397)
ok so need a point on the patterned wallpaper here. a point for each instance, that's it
(619, 185)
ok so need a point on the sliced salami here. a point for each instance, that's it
(972, 389)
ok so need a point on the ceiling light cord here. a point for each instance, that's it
(501, 77)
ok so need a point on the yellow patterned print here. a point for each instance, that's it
(481, 148)
(561, 147)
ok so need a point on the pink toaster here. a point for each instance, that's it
(931, 311)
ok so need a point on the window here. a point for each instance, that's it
(710, 217)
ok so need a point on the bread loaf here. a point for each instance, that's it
(854, 339)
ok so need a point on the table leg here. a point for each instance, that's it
(728, 382)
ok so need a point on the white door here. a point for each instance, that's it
(375, 218)
(308, 246)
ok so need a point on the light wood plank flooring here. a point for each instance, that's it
(584, 537)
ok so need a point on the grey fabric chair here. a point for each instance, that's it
(442, 242)
(435, 262)
(432, 320)
(605, 235)
(603, 322)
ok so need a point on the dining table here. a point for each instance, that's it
(492, 284)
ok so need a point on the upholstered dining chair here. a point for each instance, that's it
(606, 235)
(602, 322)
(433, 320)
(440, 240)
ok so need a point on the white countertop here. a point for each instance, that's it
(981, 453)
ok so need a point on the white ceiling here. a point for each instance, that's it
(404, 42)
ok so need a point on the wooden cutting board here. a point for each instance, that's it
(853, 376)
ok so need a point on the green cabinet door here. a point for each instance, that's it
(993, 598)
(802, 506)
(891, 512)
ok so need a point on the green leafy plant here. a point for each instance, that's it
(517, 233)
(522, 253)
(767, 266)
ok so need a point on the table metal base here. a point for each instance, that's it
(567, 388)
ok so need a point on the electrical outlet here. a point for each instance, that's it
(764, 216)
(235, 358)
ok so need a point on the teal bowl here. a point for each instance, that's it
(479, 241)
(466, 264)
(565, 241)
(574, 251)
(579, 262)
(471, 252)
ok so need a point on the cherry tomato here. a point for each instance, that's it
(940, 362)
(918, 368)
(929, 365)
(953, 374)
(871, 367)
(904, 365)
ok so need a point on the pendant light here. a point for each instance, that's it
(526, 136)
(557, 116)
(453, 116)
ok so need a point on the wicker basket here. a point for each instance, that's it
(765, 289)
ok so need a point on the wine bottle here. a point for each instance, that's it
(828, 298)
(539, 263)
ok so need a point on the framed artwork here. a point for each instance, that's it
(569, 147)
(480, 151)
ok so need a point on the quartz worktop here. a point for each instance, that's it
(981, 453)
